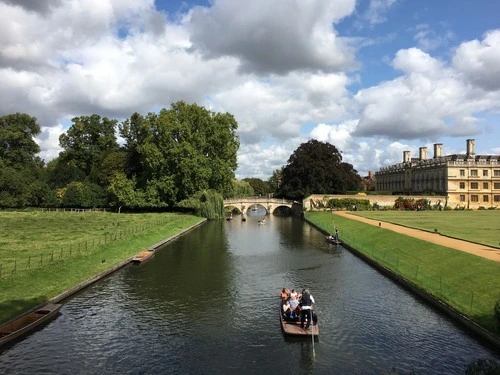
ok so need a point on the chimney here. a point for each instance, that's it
(470, 147)
(438, 150)
(406, 156)
(422, 153)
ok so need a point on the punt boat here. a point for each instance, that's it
(27, 323)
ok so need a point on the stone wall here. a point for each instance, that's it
(381, 200)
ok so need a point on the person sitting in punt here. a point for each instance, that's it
(285, 294)
(294, 308)
(285, 310)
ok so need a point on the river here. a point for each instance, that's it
(207, 303)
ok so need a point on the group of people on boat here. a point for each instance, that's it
(295, 305)
(334, 237)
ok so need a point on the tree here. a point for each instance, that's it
(241, 188)
(259, 186)
(17, 145)
(87, 142)
(180, 151)
(316, 168)
(275, 181)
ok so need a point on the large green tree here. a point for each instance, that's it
(17, 145)
(180, 151)
(316, 168)
(87, 142)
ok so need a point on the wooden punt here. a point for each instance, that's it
(333, 240)
(142, 256)
(27, 323)
(293, 328)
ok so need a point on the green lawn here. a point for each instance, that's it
(43, 254)
(466, 282)
(481, 226)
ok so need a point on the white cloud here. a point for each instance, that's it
(377, 11)
(479, 61)
(274, 37)
(48, 140)
(430, 100)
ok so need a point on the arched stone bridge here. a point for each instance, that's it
(270, 204)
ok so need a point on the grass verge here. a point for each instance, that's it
(468, 283)
(480, 226)
(109, 238)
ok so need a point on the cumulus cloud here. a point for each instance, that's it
(479, 61)
(430, 100)
(274, 37)
(39, 6)
(48, 140)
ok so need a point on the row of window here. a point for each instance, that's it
(475, 198)
(475, 173)
(486, 185)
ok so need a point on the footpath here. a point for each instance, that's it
(484, 251)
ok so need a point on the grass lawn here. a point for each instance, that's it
(42, 254)
(481, 226)
(468, 283)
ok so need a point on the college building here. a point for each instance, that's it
(467, 180)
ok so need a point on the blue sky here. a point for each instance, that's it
(372, 77)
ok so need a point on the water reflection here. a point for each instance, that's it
(207, 304)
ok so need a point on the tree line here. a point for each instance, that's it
(164, 160)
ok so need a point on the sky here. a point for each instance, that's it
(372, 77)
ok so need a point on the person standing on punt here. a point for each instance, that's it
(306, 305)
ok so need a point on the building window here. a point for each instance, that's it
(496, 198)
(473, 172)
(462, 185)
(485, 173)
(474, 185)
(485, 198)
(462, 198)
(474, 198)
(496, 173)
(462, 172)
(496, 185)
(485, 185)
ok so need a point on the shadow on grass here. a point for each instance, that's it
(9, 310)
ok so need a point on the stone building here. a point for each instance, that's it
(467, 180)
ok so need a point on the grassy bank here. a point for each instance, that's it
(43, 254)
(481, 226)
(465, 282)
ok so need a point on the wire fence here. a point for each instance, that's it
(473, 303)
(36, 259)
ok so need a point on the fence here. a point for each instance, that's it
(14, 266)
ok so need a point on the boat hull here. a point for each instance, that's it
(143, 256)
(293, 328)
(27, 323)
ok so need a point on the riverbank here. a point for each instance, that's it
(77, 259)
(463, 285)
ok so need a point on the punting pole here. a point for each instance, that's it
(312, 330)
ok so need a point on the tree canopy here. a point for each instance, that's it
(17, 145)
(316, 168)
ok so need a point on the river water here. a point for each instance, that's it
(207, 303)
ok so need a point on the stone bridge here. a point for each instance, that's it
(270, 204)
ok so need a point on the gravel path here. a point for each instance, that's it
(484, 251)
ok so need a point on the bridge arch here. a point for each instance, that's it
(242, 205)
